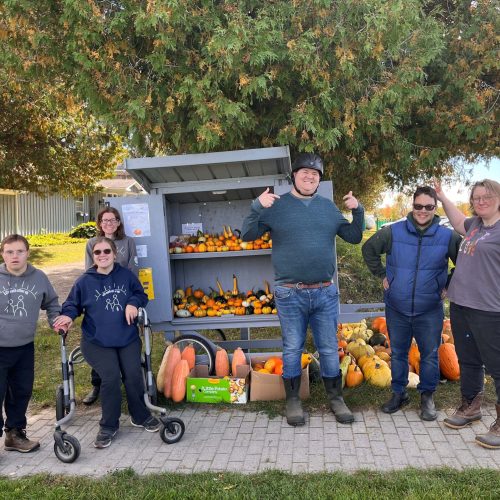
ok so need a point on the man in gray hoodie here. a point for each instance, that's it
(24, 290)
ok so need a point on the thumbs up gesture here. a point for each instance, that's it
(267, 199)
(349, 201)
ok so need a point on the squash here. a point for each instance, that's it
(160, 377)
(354, 377)
(379, 375)
(413, 380)
(377, 339)
(414, 356)
(235, 290)
(182, 313)
(221, 363)
(448, 361)
(239, 358)
(173, 359)
(189, 354)
(199, 293)
(179, 377)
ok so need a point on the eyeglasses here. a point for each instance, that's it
(486, 198)
(11, 253)
(109, 221)
(428, 208)
(106, 251)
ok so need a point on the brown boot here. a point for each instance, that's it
(16, 440)
(466, 413)
(491, 439)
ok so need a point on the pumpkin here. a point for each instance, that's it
(448, 361)
(379, 375)
(199, 312)
(221, 363)
(414, 356)
(189, 354)
(359, 348)
(266, 310)
(384, 356)
(240, 311)
(413, 380)
(160, 377)
(173, 359)
(239, 358)
(377, 339)
(354, 377)
(199, 293)
(179, 378)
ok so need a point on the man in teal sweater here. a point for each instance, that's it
(303, 227)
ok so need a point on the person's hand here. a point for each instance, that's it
(350, 202)
(130, 313)
(439, 190)
(267, 199)
(62, 322)
(385, 283)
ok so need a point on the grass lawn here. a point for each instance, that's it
(57, 255)
(409, 484)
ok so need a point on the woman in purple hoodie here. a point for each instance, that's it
(109, 295)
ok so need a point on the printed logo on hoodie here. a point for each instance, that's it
(17, 294)
(112, 296)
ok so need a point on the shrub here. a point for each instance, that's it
(86, 230)
(50, 239)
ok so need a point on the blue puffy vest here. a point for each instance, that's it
(416, 268)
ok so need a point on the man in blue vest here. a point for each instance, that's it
(414, 279)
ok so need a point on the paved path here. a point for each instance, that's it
(240, 441)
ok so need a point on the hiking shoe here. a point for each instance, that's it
(396, 402)
(151, 424)
(104, 438)
(16, 440)
(92, 396)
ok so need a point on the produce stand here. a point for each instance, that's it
(207, 191)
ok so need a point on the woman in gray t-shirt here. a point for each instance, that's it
(474, 294)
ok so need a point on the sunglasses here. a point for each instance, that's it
(428, 208)
(106, 251)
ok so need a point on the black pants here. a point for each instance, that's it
(477, 342)
(95, 379)
(17, 373)
(114, 364)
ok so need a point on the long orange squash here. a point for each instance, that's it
(239, 358)
(174, 358)
(221, 363)
(189, 355)
(179, 378)
(448, 361)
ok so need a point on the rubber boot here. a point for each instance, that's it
(466, 413)
(491, 439)
(397, 401)
(427, 407)
(92, 396)
(333, 387)
(294, 412)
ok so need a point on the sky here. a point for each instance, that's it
(459, 192)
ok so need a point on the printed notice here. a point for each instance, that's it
(136, 220)
(142, 251)
(146, 279)
(192, 228)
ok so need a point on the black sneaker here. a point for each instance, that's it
(396, 402)
(104, 438)
(151, 424)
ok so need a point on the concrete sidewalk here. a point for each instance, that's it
(233, 440)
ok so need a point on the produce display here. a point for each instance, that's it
(226, 241)
(198, 303)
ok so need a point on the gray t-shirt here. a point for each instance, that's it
(476, 281)
(126, 254)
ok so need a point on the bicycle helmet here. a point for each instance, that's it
(308, 160)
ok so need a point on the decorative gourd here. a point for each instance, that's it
(384, 356)
(182, 313)
(365, 358)
(179, 378)
(448, 361)
(239, 358)
(160, 377)
(413, 380)
(354, 377)
(221, 363)
(359, 348)
(379, 375)
(174, 358)
(189, 354)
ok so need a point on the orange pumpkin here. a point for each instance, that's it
(188, 353)
(354, 377)
(221, 363)
(179, 378)
(239, 358)
(199, 293)
(448, 361)
(414, 356)
(173, 359)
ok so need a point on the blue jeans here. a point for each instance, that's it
(426, 328)
(298, 308)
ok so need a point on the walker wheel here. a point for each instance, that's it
(172, 430)
(70, 450)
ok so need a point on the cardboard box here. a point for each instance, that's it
(267, 387)
(201, 388)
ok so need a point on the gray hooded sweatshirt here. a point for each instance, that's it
(21, 298)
